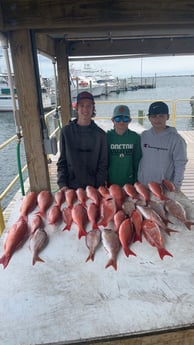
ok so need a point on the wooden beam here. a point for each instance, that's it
(45, 44)
(67, 14)
(151, 46)
(63, 81)
(24, 71)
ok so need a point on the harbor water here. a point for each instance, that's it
(167, 89)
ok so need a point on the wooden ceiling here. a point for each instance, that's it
(99, 28)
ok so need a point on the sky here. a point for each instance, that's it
(125, 67)
(146, 66)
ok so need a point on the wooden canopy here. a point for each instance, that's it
(64, 29)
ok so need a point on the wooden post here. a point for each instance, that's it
(63, 82)
(25, 79)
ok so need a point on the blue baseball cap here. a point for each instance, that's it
(121, 110)
(85, 95)
(157, 108)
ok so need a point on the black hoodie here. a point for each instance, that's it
(84, 156)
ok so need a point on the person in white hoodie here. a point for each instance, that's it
(164, 151)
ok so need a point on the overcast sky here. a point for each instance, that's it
(125, 68)
(147, 66)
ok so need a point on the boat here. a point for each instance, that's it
(6, 102)
(88, 84)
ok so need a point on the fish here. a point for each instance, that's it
(118, 194)
(54, 215)
(176, 210)
(148, 213)
(107, 210)
(157, 190)
(38, 241)
(103, 191)
(59, 197)
(71, 197)
(169, 185)
(44, 199)
(93, 212)
(93, 194)
(67, 218)
(131, 191)
(153, 236)
(137, 219)
(111, 243)
(28, 204)
(118, 218)
(36, 222)
(80, 218)
(17, 235)
(92, 239)
(82, 196)
(158, 207)
(128, 206)
(126, 235)
(142, 190)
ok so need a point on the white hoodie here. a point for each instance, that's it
(164, 156)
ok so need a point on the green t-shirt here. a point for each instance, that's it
(124, 156)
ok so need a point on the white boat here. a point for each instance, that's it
(6, 102)
(81, 83)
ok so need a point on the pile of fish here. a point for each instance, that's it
(117, 217)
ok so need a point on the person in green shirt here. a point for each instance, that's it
(124, 148)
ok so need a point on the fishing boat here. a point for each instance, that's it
(6, 101)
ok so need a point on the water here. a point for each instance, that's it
(168, 88)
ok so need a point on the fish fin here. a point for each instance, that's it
(81, 233)
(4, 260)
(188, 224)
(67, 227)
(168, 231)
(112, 263)
(90, 257)
(137, 238)
(128, 252)
(162, 252)
(95, 227)
(102, 223)
(35, 259)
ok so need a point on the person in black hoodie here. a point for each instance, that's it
(83, 156)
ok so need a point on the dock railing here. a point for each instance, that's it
(139, 108)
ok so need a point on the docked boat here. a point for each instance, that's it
(6, 102)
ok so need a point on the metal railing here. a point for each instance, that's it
(24, 168)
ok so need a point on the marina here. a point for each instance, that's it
(148, 299)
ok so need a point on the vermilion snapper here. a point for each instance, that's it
(16, 237)
(153, 235)
(45, 199)
(126, 236)
(80, 218)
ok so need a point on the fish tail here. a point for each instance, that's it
(95, 227)
(90, 257)
(81, 233)
(112, 263)
(35, 259)
(137, 237)
(162, 252)
(4, 260)
(67, 227)
(168, 231)
(41, 214)
(102, 223)
(188, 224)
(128, 251)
